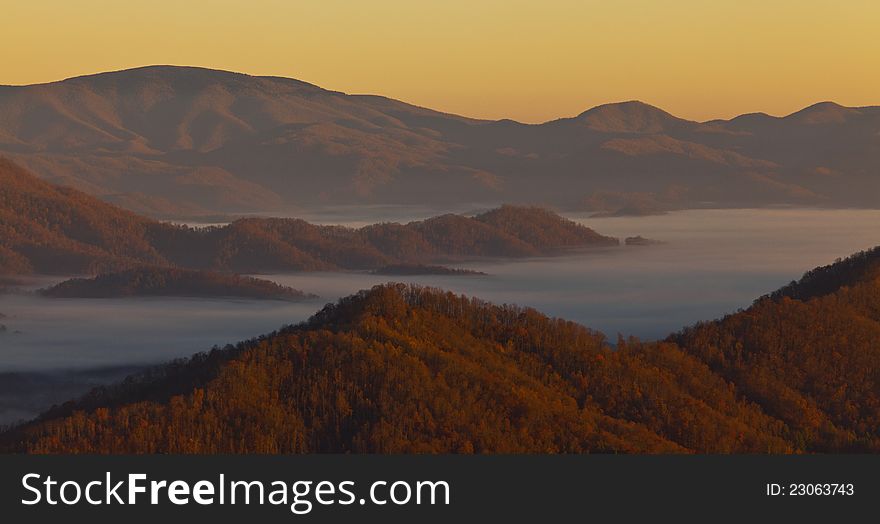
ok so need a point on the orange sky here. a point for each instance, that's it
(527, 60)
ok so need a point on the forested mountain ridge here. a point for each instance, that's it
(46, 228)
(53, 230)
(860, 267)
(401, 369)
(167, 140)
(808, 354)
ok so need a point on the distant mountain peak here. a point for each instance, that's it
(631, 105)
(632, 116)
(193, 77)
(825, 105)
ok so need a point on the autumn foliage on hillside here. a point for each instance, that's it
(814, 362)
(53, 230)
(405, 369)
(860, 267)
(49, 229)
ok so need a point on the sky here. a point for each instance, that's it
(531, 61)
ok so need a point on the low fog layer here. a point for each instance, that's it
(49, 334)
(712, 262)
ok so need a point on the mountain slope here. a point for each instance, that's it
(808, 354)
(47, 229)
(853, 270)
(170, 140)
(178, 133)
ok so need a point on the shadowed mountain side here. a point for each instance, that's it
(169, 282)
(182, 140)
(52, 230)
(853, 270)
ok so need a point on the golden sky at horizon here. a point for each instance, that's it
(528, 60)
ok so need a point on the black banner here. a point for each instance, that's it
(330, 488)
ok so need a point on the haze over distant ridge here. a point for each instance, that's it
(168, 140)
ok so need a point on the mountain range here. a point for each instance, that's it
(167, 140)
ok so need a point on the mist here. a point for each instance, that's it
(711, 262)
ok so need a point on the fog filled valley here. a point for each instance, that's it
(709, 263)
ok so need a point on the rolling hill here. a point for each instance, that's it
(57, 230)
(167, 140)
(170, 282)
